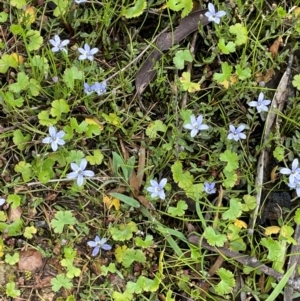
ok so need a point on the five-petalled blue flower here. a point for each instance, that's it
(87, 52)
(209, 188)
(294, 173)
(58, 44)
(157, 189)
(55, 138)
(212, 15)
(261, 103)
(236, 133)
(79, 172)
(98, 244)
(196, 125)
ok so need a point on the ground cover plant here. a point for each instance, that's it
(149, 150)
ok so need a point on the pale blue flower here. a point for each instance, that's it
(98, 244)
(79, 1)
(88, 89)
(294, 173)
(209, 188)
(55, 139)
(261, 103)
(212, 15)
(236, 133)
(157, 189)
(79, 172)
(2, 201)
(87, 52)
(196, 125)
(99, 88)
(295, 184)
(58, 44)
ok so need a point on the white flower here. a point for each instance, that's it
(87, 52)
(58, 44)
(79, 172)
(79, 1)
(261, 103)
(157, 189)
(55, 138)
(212, 15)
(2, 201)
(196, 125)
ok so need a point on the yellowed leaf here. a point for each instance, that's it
(1, 250)
(18, 58)
(111, 201)
(275, 46)
(29, 15)
(272, 230)
(94, 121)
(274, 174)
(228, 83)
(240, 224)
(296, 11)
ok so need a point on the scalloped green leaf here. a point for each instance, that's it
(136, 10)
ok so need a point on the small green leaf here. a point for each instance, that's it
(144, 243)
(96, 159)
(79, 128)
(226, 49)
(154, 127)
(250, 202)
(232, 160)
(61, 281)
(70, 75)
(20, 140)
(179, 210)
(278, 153)
(124, 231)
(72, 271)
(214, 238)
(18, 3)
(274, 249)
(59, 106)
(44, 119)
(241, 33)
(295, 82)
(110, 269)
(3, 17)
(227, 283)
(35, 40)
(29, 231)
(7, 61)
(12, 259)
(181, 57)
(135, 10)
(75, 156)
(11, 101)
(14, 200)
(226, 72)
(183, 178)
(21, 84)
(297, 216)
(187, 85)
(234, 211)
(61, 219)
(230, 179)
(12, 229)
(185, 5)
(243, 73)
(34, 87)
(11, 290)
(126, 296)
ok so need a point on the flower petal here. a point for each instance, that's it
(83, 164)
(163, 182)
(92, 243)
(75, 167)
(80, 180)
(72, 175)
(96, 251)
(285, 171)
(153, 183)
(106, 247)
(88, 173)
(211, 8)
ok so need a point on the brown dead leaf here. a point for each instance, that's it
(30, 260)
(14, 214)
(274, 174)
(275, 46)
(145, 202)
(264, 78)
